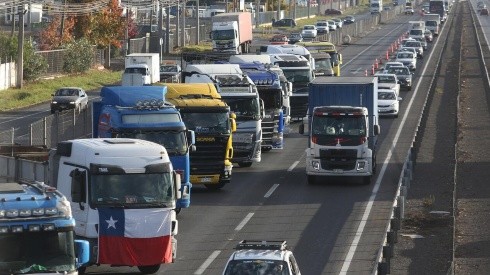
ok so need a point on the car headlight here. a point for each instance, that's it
(54, 102)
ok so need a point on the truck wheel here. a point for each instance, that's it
(215, 186)
(149, 269)
(311, 179)
(245, 164)
(81, 270)
(366, 180)
(177, 210)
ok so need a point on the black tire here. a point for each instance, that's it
(410, 88)
(310, 179)
(245, 164)
(149, 269)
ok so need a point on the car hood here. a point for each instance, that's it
(387, 85)
(65, 99)
(386, 101)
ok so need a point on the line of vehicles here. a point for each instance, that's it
(154, 141)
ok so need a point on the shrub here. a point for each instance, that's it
(34, 64)
(78, 56)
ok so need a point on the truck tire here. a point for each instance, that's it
(245, 164)
(149, 269)
(310, 179)
(81, 270)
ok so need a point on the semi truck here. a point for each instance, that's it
(322, 47)
(240, 93)
(232, 32)
(141, 112)
(286, 85)
(343, 127)
(37, 231)
(122, 193)
(146, 64)
(204, 112)
(375, 6)
(297, 69)
(271, 93)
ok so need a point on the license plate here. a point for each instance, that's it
(338, 171)
(205, 179)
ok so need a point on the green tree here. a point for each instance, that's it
(78, 56)
(8, 47)
(34, 64)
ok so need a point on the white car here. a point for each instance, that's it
(322, 26)
(391, 64)
(417, 33)
(262, 257)
(388, 102)
(309, 31)
(332, 25)
(339, 22)
(417, 45)
(388, 81)
(408, 59)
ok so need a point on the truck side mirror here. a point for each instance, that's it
(82, 252)
(77, 185)
(178, 185)
(262, 109)
(377, 130)
(191, 140)
(233, 122)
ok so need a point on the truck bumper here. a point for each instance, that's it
(247, 154)
(362, 168)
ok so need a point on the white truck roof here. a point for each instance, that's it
(214, 69)
(250, 58)
(287, 49)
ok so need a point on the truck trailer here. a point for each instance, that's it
(232, 32)
(147, 64)
(343, 127)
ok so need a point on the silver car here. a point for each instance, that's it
(69, 98)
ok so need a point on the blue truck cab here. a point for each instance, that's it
(37, 231)
(270, 91)
(141, 112)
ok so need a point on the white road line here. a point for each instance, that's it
(293, 165)
(207, 262)
(367, 211)
(273, 188)
(244, 221)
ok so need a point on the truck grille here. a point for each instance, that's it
(299, 105)
(209, 157)
(344, 159)
(268, 123)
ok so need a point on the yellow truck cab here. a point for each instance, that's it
(325, 47)
(203, 111)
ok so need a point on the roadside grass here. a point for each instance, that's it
(40, 91)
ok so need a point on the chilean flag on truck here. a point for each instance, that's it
(134, 237)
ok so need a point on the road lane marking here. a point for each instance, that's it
(207, 262)
(293, 165)
(367, 211)
(273, 188)
(244, 221)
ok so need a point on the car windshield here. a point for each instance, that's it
(415, 32)
(399, 70)
(386, 95)
(386, 79)
(164, 69)
(412, 44)
(255, 266)
(405, 55)
(308, 27)
(322, 24)
(66, 92)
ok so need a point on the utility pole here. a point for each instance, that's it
(198, 24)
(62, 21)
(183, 23)
(20, 49)
(126, 33)
(177, 26)
(167, 33)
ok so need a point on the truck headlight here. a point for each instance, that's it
(2, 213)
(25, 213)
(17, 228)
(315, 164)
(4, 229)
(12, 213)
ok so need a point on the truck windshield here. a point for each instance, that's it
(132, 190)
(323, 64)
(212, 123)
(269, 267)
(298, 75)
(244, 108)
(331, 130)
(37, 252)
(272, 97)
(224, 34)
(174, 141)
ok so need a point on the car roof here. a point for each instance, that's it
(255, 254)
